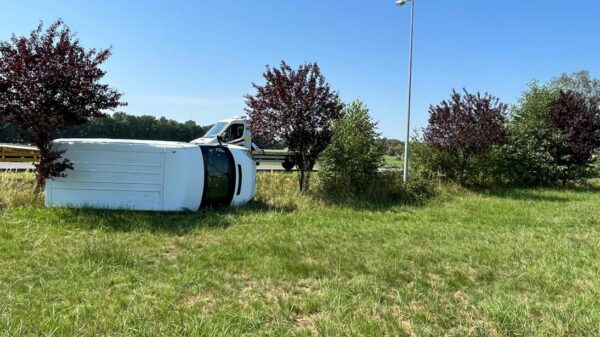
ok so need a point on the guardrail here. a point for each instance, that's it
(18, 153)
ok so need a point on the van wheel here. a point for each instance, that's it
(288, 165)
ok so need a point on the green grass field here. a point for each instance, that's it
(391, 161)
(514, 262)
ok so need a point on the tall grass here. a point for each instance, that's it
(17, 190)
(386, 191)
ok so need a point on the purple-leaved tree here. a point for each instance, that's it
(298, 107)
(466, 125)
(575, 122)
(49, 82)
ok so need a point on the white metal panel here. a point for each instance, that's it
(128, 174)
(183, 179)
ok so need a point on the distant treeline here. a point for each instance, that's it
(390, 146)
(121, 125)
(124, 126)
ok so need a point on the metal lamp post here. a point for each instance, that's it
(410, 62)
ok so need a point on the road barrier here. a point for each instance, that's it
(18, 153)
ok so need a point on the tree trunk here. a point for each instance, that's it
(304, 169)
(301, 180)
(40, 168)
(307, 180)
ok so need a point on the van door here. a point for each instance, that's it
(219, 176)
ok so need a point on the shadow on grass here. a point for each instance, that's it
(523, 195)
(372, 203)
(167, 222)
(545, 194)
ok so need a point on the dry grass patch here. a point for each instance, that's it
(16, 190)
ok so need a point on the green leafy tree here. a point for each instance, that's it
(552, 137)
(391, 147)
(527, 161)
(579, 82)
(349, 165)
(122, 125)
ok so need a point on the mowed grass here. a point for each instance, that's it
(514, 262)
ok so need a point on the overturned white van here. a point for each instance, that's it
(151, 175)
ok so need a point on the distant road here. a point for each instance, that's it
(18, 167)
(278, 167)
(274, 167)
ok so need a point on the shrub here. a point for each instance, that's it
(428, 162)
(460, 135)
(553, 135)
(349, 165)
(389, 187)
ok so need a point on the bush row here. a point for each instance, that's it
(550, 137)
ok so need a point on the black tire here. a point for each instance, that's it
(288, 165)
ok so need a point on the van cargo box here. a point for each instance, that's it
(151, 175)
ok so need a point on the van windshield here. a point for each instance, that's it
(216, 129)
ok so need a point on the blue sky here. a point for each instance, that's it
(196, 59)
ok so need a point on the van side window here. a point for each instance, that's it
(219, 179)
(234, 132)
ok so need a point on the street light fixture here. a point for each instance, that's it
(410, 62)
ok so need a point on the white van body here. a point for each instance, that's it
(151, 175)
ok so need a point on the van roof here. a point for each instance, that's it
(158, 144)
